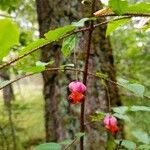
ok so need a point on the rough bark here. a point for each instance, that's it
(52, 14)
(101, 59)
(8, 96)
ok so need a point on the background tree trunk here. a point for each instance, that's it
(52, 14)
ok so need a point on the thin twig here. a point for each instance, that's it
(62, 69)
(127, 14)
(6, 16)
(68, 146)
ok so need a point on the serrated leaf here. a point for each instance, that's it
(48, 146)
(79, 135)
(56, 34)
(138, 8)
(9, 36)
(118, 6)
(112, 26)
(122, 116)
(69, 44)
(141, 136)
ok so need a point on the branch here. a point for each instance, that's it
(6, 16)
(64, 69)
(74, 32)
(127, 14)
(68, 146)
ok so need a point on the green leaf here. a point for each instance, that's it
(34, 45)
(56, 34)
(79, 135)
(128, 144)
(118, 6)
(81, 22)
(122, 116)
(69, 44)
(121, 109)
(140, 108)
(48, 146)
(112, 26)
(9, 36)
(136, 88)
(66, 142)
(35, 69)
(141, 136)
(138, 8)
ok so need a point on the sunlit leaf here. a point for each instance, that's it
(118, 6)
(9, 36)
(56, 34)
(138, 8)
(112, 26)
(34, 45)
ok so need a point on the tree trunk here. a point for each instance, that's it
(52, 14)
(98, 95)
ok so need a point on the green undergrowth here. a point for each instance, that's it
(27, 113)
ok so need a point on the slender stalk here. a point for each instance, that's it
(68, 146)
(85, 75)
(63, 69)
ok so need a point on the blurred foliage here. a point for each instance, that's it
(131, 53)
(28, 120)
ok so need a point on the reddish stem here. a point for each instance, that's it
(85, 75)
